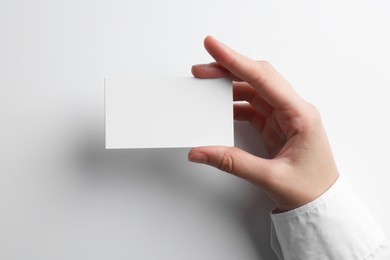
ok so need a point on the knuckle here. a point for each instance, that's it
(306, 117)
(226, 163)
(309, 118)
(264, 63)
(313, 115)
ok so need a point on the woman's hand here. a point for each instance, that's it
(301, 167)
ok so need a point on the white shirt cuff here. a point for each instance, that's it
(333, 226)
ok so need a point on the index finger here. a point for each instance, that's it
(261, 75)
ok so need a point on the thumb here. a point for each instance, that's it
(234, 161)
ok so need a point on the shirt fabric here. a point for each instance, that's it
(334, 226)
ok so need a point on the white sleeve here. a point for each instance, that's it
(334, 226)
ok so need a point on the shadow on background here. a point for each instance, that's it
(255, 212)
(168, 169)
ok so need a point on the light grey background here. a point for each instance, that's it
(62, 196)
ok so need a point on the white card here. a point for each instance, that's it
(168, 112)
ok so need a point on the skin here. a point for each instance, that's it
(301, 166)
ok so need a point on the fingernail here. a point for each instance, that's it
(198, 157)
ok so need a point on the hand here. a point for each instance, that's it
(301, 165)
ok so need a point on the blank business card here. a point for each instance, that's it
(168, 112)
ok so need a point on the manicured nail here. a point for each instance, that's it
(198, 157)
